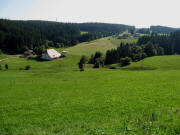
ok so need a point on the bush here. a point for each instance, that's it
(99, 62)
(81, 66)
(91, 60)
(97, 59)
(81, 63)
(94, 57)
(6, 67)
(0, 67)
(21, 69)
(96, 65)
(27, 67)
(125, 61)
(1, 51)
(83, 59)
(112, 67)
(39, 50)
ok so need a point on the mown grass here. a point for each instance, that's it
(53, 97)
(89, 48)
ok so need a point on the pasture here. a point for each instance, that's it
(88, 48)
(54, 97)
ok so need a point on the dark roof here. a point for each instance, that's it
(28, 52)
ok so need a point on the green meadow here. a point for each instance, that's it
(55, 98)
(91, 47)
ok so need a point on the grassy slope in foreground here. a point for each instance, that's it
(170, 62)
(53, 98)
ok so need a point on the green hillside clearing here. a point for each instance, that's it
(89, 48)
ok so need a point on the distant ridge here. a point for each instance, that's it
(107, 28)
(163, 29)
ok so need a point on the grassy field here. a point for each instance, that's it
(101, 45)
(53, 97)
(157, 62)
(89, 48)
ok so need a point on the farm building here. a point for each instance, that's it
(64, 52)
(50, 54)
(137, 35)
(28, 53)
(116, 35)
(126, 35)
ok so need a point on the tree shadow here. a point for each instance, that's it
(138, 68)
(37, 58)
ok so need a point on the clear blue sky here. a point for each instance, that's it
(15, 9)
(141, 13)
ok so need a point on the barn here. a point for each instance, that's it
(50, 54)
(28, 52)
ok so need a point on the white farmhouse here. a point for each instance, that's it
(50, 54)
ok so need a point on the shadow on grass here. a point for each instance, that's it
(37, 58)
(138, 68)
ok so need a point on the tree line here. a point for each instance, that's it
(170, 43)
(163, 29)
(156, 29)
(126, 51)
(104, 28)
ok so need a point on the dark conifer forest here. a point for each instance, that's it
(105, 28)
(163, 29)
(18, 36)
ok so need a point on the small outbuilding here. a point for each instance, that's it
(28, 52)
(64, 52)
(137, 35)
(50, 54)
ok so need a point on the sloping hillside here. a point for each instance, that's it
(101, 45)
(171, 62)
(89, 48)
